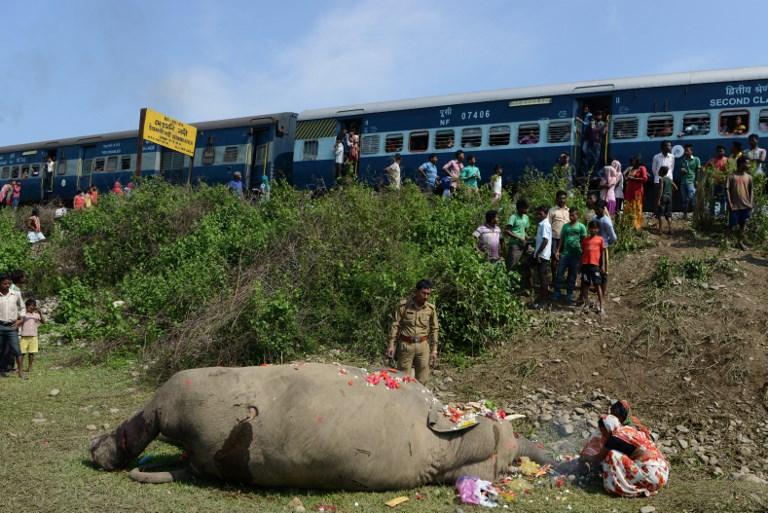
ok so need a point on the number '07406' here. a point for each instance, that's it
(475, 114)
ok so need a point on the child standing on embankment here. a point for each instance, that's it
(30, 320)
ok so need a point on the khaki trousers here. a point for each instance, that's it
(414, 355)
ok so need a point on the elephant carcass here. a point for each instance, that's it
(312, 426)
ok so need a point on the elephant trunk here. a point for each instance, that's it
(160, 477)
(535, 451)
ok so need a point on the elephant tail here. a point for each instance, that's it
(168, 476)
(535, 451)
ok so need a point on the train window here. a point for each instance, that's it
(733, 122)
(660, 126)
(393, 143)
(87, 167)
(762, 120)
(499, 135)
(697, 123)
(444, 139)
(15, 172)
(528, 133)
(310, 150)
(6, 173)
(209, 155)
(62, 169)
(471, 137)
(35, 170)
(24, 172)
(369, 144)
(98, 165)
(418, 141)
(111, 164)
(125, 162)
(625, 128)
(230, 153)
(559, 132)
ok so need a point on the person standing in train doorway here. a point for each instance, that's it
(338, 153)
(585, 129)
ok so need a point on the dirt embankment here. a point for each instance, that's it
(690, 356)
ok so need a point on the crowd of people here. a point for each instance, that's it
(346, 153)
(562, 246)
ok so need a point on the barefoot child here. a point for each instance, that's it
(664, 199)
(30, 320)
(594, 264)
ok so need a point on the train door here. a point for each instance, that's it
(592, 130)
(351, 129)
(260, 166)
(174, 167)
(88, 162)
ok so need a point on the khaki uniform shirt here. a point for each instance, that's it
(11, 306)
(410, 320)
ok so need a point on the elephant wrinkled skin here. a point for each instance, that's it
(311, 426)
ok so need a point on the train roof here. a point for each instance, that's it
(127, 134)
(585, 87)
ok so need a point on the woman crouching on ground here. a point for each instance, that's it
(632, 465)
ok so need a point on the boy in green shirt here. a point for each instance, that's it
(568, 253)
(516, 228)
(470, 175)
(690, 166)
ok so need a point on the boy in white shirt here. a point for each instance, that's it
(543, 253)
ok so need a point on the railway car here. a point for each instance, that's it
(532, 126)
(254, 146)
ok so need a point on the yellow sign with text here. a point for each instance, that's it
(169, 133)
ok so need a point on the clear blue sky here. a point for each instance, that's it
(84, 67)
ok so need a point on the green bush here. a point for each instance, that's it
(14, 248)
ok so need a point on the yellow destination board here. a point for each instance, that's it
(169, 133)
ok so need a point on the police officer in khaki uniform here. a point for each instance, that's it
(414, 328)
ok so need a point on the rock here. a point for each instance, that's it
(448, 379)
(39, 420)
(647, 509)
(585, 434)
(114, 410)
(54, 392)
(566, 429)
(717, 471)
(682, 429)
(105, 426)
(580, 411)
(750, 478)
(745, 451)
(91, 427)
(683, 443)
(546, 417)
(296, 505)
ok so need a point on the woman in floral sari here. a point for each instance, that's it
(632, 465)
(636, 176)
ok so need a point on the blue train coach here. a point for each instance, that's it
(253, 146)
(532, 126)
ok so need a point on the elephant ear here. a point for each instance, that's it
(439, 423)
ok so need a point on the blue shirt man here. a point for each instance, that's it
(236, 185)
(428, 170)
(606, 225)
